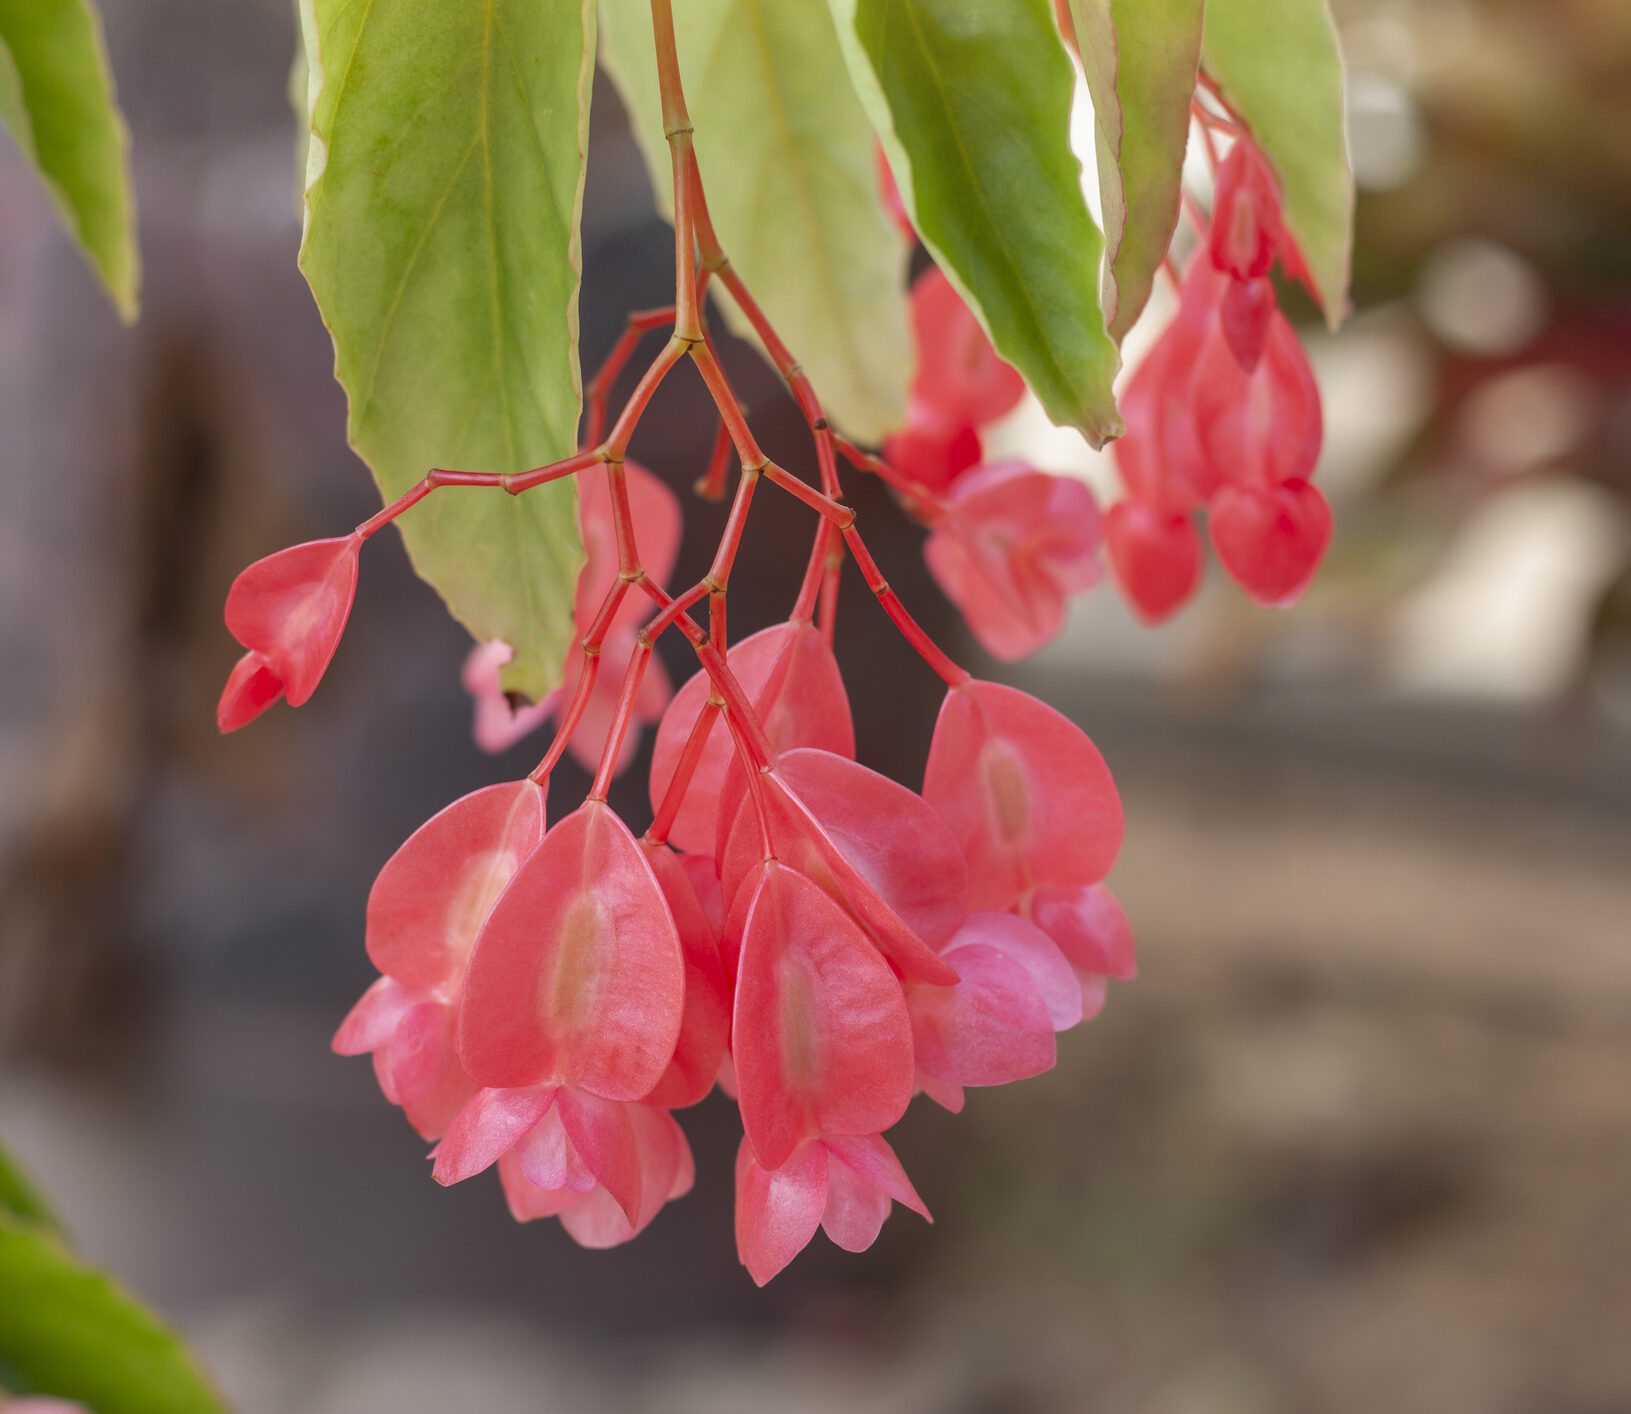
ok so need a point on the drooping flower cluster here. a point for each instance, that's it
(1224, 414)
(816, 940)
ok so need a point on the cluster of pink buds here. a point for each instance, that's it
(1223, 414)
(816, 940)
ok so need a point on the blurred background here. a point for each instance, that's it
(1358, 1138)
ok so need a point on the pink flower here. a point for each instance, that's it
(842, 1185)
(1156, 556)
(1010, 549)
(425, 912)
(289, 610)
(1090, 928)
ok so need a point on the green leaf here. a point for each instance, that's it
(68, 1331)
(20, 1198)
(443, 194)
(1140, 57)
(972, 100)
(1278, 64)
(786, 154)
(56, 98)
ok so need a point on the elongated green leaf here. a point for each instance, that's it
(972, 100)
(20, 1198)
(56, 98)
(786, 154)
(1140, 57)
(1279, 65)
(68, 1331)
(444, 187)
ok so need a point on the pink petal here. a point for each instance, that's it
(1025, 792)
(526, 1200)
(1036, 952)
(893, 837)
(1011, 545)
(871, 1159)
(603, 1136)
(488, 1126)
(855, 1211)
(706, 1022)
(930, 451)
(1091, 928)
(820, 1036)
(873, 838)
(779, 1210)
(944, 1093)
(549, 1160)
(1156, 557)
(292, 606)
(498, 723)
(958, 372)
(666, 1173)
(578, 974)
(1271, 541)
(373, 1020)
(1246, 214)
(790, 675)
(991, 1028)
(251, 688)
(703, 873)
(433, 895)
(419, 1068)
(1264, 427)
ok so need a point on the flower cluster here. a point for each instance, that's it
(1223, 413)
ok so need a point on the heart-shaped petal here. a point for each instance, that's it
(603, 1136)
(488, 1127)
(1271, 540)
(991, 1028)
(666, 1172)
(433, 895)
(291, 608)
(820, 1035)
(1025, 792)
(1156, 557)
(577, 975)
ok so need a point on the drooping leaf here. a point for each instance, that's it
(972, 101)
(786, 154)
(20, 1198)
(444, 186)
(1278, 63)
(69, 1331)
(56, 99)
(1140, 57)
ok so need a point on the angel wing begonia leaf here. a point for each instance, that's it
(1026, 793)
(577, 974)
(820, 1035)
(431, 898)
(1280, 66)
(1140, 57)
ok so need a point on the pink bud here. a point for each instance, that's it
(1011, 547)
(1271, 540)
(959, 374)
(1246, 220)
(1263, 427)
(1156, 557)
(289, 610)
